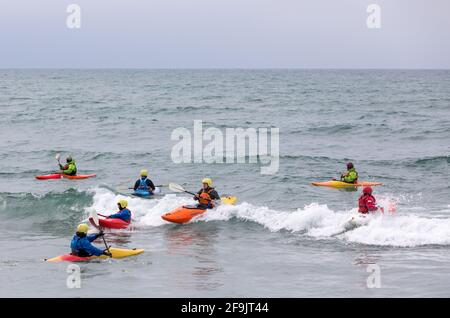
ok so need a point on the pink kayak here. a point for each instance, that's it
(110, 223)
(60, 176)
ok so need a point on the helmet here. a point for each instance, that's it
(82, 228)
(208, 181)
(349, 166)
(123, 203)
(367, 190)
(69, 159)
(144, 173)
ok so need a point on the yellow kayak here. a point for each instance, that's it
(228, 200)
(340, 184)
(116, 253)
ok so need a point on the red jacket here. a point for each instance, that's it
(367, 203)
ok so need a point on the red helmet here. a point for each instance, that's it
(367, 190)
(349, 166)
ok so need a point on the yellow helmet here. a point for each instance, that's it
(208, 181)
(123, 203)
(82, 228)
(144, 173)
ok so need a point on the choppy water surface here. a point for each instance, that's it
(279, 239)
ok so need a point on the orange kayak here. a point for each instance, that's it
(185, 213)
(340, 184)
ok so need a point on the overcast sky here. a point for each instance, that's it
(225, 34)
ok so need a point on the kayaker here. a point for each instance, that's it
(367, 202)
(81, 243)
(351, 175)
(124, 214)
(207, 195)
(70, 168)
(144, 185)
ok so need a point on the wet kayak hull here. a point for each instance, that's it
(104, 222)
(146, 194)
(80, 176)
(116, 253)
(55, 176)
(52, 176)
(342, 185)
(184, 214)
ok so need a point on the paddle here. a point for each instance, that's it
(58, 157)
(94, 220)
(177, 188)
(131, 188)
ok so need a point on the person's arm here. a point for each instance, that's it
(91, 249)
(150, 184)
(136, 185)
(214, 195)
(123, 215)
(197, 196)
(351, 177)
(92, 237)
(371, 204)
(114, 216)
(69, 170)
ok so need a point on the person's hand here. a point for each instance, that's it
(101, 233)
(105, 252)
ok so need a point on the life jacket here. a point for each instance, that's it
(143, 185)
(77, 251)
(72, 166)
(366, 204)
(205, 198)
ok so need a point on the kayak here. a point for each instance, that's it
(103, 221)
(116, 253)
(146, 194)
(354, 222)
(54, 176)
(340, 184)
(49, 176)
(79, 176)
(357, 221)
(185, 213)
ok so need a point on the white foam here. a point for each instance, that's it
(314, 220)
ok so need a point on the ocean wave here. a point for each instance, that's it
(431, 160)
(313, 220)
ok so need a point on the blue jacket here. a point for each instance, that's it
(124, 215)
(82, 246)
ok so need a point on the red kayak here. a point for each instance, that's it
(60, 176)
(110, 223)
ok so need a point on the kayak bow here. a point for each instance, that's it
(103, 221)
